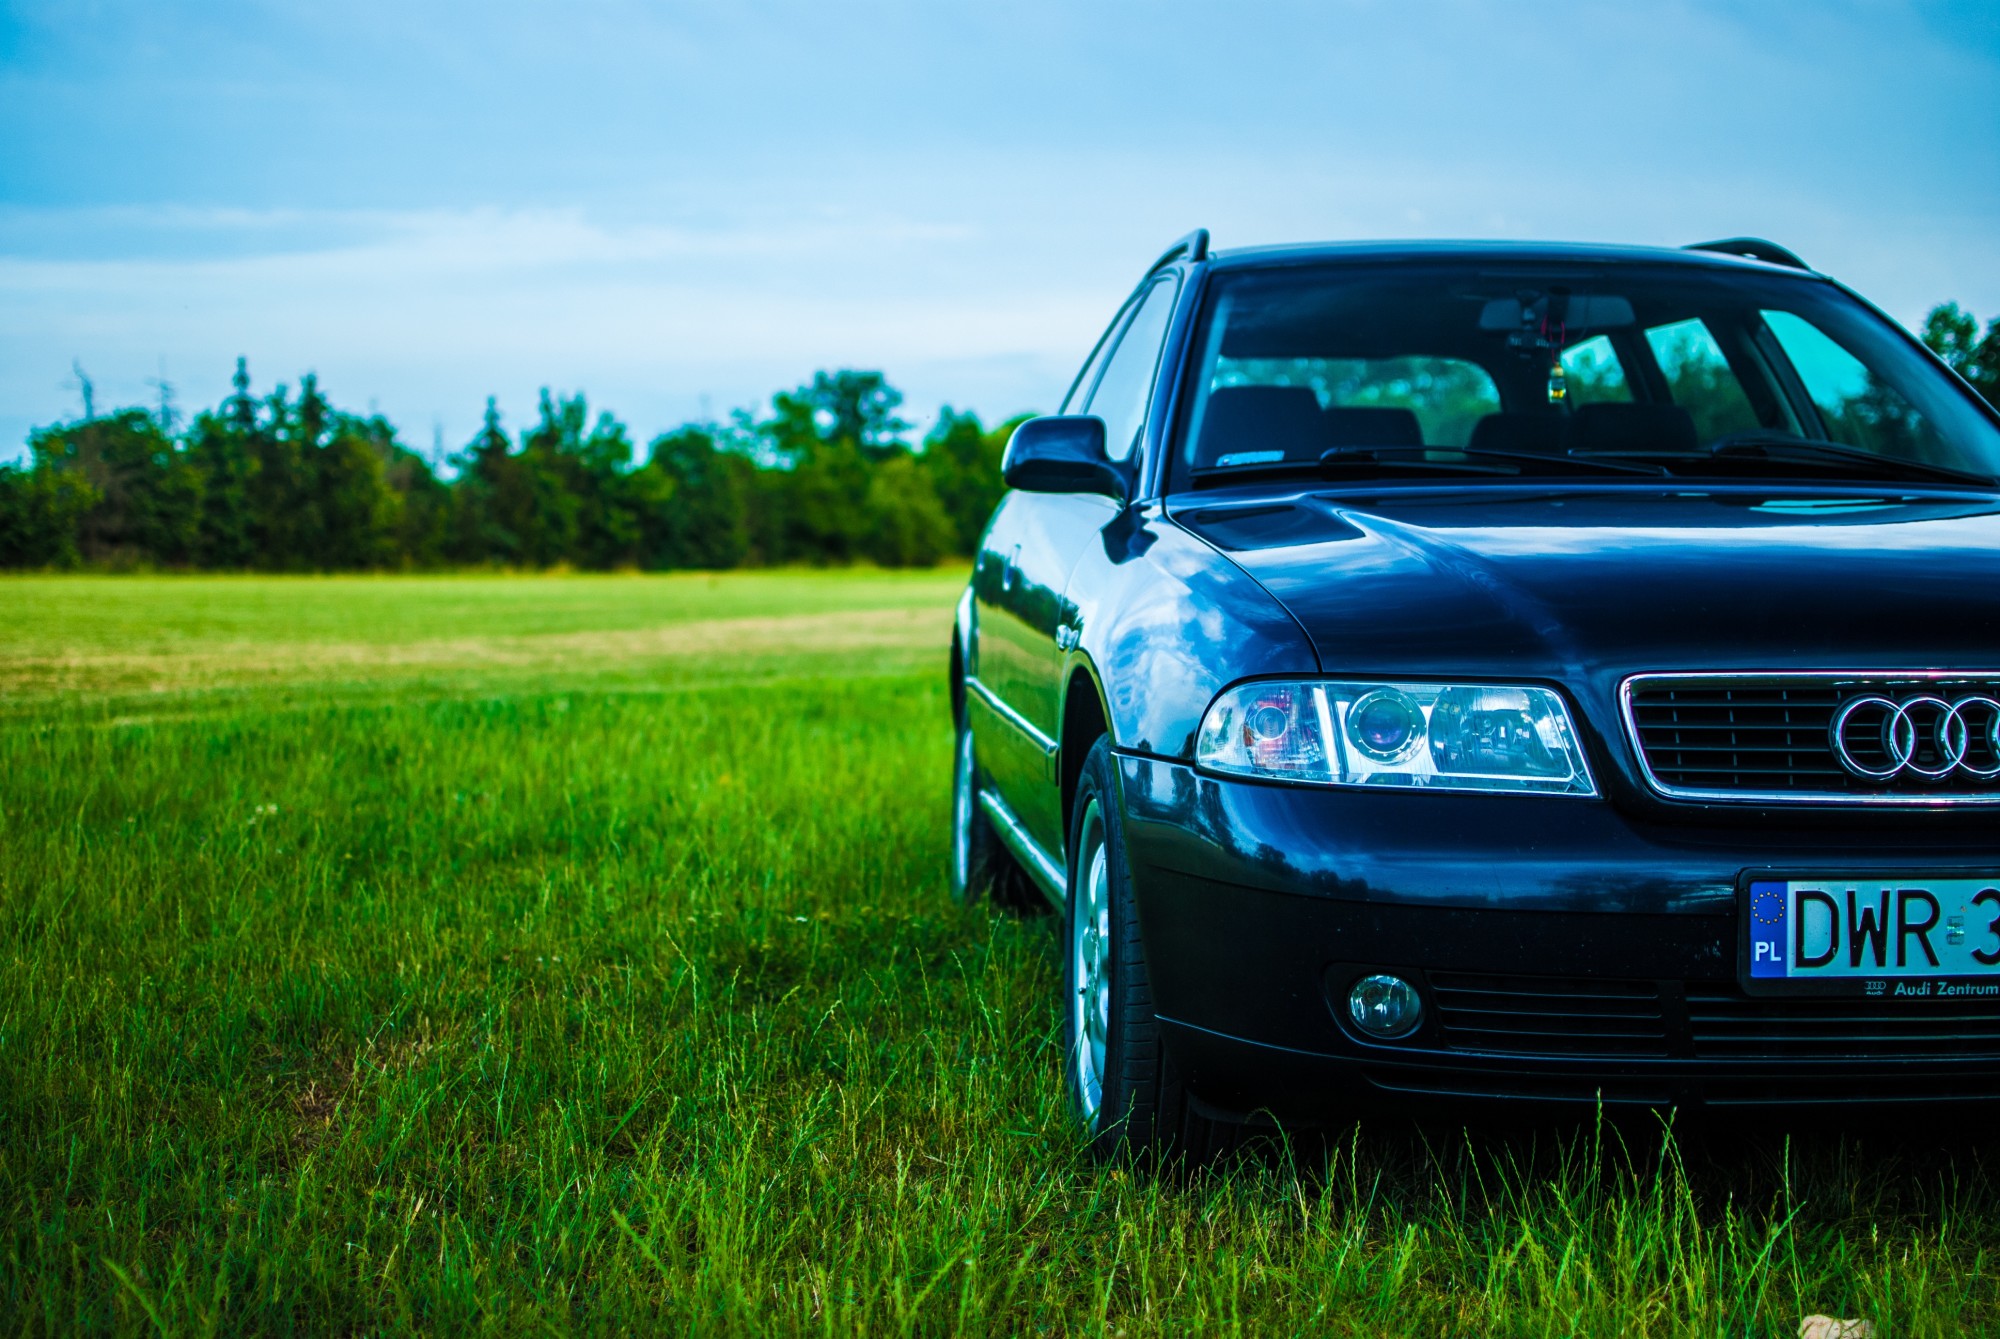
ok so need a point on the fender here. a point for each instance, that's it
(1166, 622)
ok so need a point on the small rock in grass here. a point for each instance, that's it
(1826, 1327)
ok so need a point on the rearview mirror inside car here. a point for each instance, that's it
(1063, 453)
(1579, 311)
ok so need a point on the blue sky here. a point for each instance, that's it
(679, 208)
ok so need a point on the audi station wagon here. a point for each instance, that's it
(1533, 673)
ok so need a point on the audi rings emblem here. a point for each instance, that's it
(1880, 739)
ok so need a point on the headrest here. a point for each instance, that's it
(1537, 434)
(1349, 425)
(1261, 419)
(1632, 427)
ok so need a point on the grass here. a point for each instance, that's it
(573, 954)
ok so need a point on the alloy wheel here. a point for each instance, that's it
(1090, 969)
(962, 800)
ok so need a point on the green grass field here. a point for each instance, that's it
(550, 954)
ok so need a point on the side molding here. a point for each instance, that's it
(1040, 866)
(1011, 716)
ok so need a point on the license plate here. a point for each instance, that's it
(1888, 937)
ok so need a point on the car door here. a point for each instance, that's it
(1024, 565)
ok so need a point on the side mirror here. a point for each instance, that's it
(1063, 453)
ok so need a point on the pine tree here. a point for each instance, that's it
(218, 446)
(486, 482)
(358, 510)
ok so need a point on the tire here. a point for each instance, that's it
(1121, 1085)
(982, 868)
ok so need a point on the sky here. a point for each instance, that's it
(679, 209)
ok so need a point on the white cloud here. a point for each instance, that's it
(422, 314)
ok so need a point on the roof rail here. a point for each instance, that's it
(1755, 248)
(1192, 247)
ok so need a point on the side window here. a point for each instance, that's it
(1121, 396)
(1594, 374)
(1856, 407)
(1699, 379)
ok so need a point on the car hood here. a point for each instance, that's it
(1598, 584)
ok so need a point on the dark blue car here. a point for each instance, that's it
(1520, 672)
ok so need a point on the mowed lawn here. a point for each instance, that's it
(532, 955)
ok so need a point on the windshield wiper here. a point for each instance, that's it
(1417, 458)
(1785, 446)
(1549, 464)
(1779, 448)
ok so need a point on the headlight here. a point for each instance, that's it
(1450, 736)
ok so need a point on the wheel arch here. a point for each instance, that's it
(961, 643)
(1084, 718)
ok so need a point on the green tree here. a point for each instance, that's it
(285, 529)
(906, 524)
(820, 448)
(41, 512)
(962, 461)
(590, 507)
(146, 498)
(423, 511)
(1953, 334)
(296, 485)
(824, 491)
(547, 505)
(703, 515)
(856, 407)
(218, 446)
(359, 512)
(490, 491)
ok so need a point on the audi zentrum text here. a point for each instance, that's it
(1520, 672)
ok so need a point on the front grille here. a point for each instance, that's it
(1703, 1020)
(1514, 1015)
(1763, 737)
(1726, 1023)
(1802, 1093)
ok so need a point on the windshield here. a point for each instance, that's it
(1498, 371)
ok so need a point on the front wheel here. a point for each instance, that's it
(1121, 1085)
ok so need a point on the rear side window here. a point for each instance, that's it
(1699, 379)
(1127, 385)
(1593, 374)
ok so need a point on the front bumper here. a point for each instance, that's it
(1565, 951)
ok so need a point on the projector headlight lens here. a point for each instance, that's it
(1385, 725)
(1485, 737)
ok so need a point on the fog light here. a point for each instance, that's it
(1384, 1006)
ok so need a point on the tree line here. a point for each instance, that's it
(1953, 335)
(290, 483)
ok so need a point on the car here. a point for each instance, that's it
(1495, 673)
